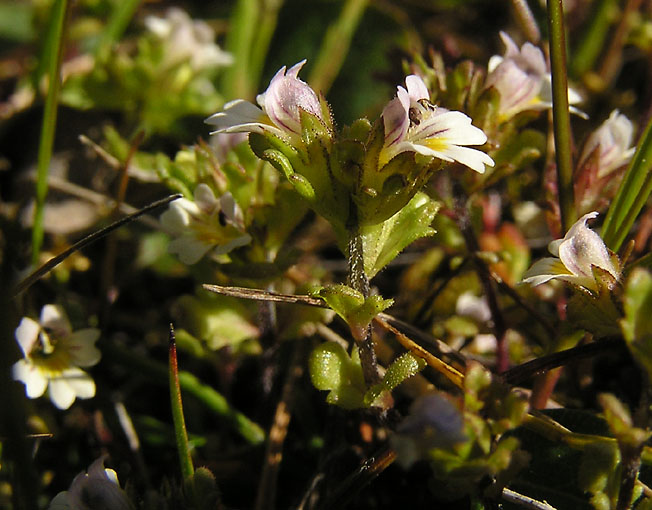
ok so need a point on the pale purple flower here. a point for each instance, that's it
(189, 40)
(522, 79)
(97, 489)
(613, 141)
(413, 124)
(53, 355)
(207, 223)
(278, 111)
(576, 255)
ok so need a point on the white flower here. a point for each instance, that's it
(613, 143)
(204, 224)
(279, 111)
(98, 489)
(412, 123)
(187, 40)
(53, 355)
(578, 253)
(522, 79)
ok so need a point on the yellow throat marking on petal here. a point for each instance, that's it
(439, 144)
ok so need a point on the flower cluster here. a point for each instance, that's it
(53, 355)
(379, 168)
(187, 40)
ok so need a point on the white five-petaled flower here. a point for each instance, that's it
(577, 254)
(280, 108)
(522, 79)
(187, 40)
(613, 141)
(413, 124)
(53, 355)
(204, 224)
(97, 489)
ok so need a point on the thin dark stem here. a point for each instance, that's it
(500, 328)
(55, 261)
(266, 496)
(519, 373)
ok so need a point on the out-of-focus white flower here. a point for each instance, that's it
(280, 108)
(474, 307)
(613, 143)
(412, 123)
(187, 40)
(522, 79)
(577, 254)
(97, 489)
(434, 422)
(204, 224)
(53, 355)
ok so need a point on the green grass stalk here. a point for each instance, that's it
(593, 39)
(266, 28)
(561, 113)
(632, 195)
(237, 81)
(118, 22)
(180, 433)
(335, 45)
(54, 51)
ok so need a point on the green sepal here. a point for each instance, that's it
(595, 312)
(331, 369)
(201, 491)
(352, 306)
(637, 323)
(402, 368)
(384, 241)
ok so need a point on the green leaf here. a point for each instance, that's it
(637, 323)
(384, 241)
(353, 307)
(331, 369)
(632, 195)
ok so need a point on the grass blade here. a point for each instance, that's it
(336, 45)
(180, 433)
(561, 113)
(633, 193)
(236, 80)
(54, 53)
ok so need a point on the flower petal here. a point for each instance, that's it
(27, 334)
(80, 382)
(53, 317)
(29, 374)
(238, 116)
(82, 349)
(189, 249)
(583, 248)
(61, 393)
(545, 270)
(286, 96)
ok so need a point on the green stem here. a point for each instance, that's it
(632, 195)
(335, 45)
(54, 50)
(180, 433)
(214, 401)
(561, 113)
